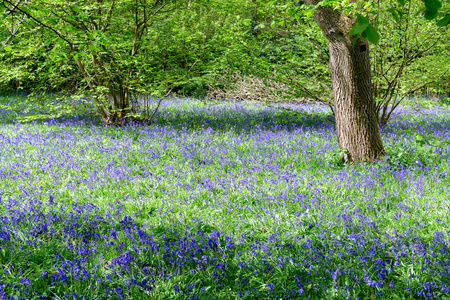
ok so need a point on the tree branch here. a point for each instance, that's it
(16, 8)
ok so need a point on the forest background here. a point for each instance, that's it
(243, 50)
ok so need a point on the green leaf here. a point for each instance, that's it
(53, 20)
(79, 54)
(433, 5)
(361, 20)
(372, 35)
(364, 34)
(281, 22)
(308, 13)
(45, 11)
(8, 49)
(431, 9)
(402, 2)
(361, 24)
(68, 28)
(394, 14)
(76, 9)
(291, 10)
(430, 14)
(445, 142)
(444, 21)
(357, 29)
(102, 41)
(247, 22)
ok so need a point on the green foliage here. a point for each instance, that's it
(201, 43)
(407, 45)
(335, 159)
(430, 10)
(192, 50)
(32, 62)
(444, 21)
(400, 157)
(371, 34)
(360, 26)
(104, 39)
(422, 139)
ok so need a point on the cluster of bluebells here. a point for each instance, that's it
(78, 252)
(221, 200)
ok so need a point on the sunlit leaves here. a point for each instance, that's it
(76, 9)
(361, 24)
(444, 21)
(247, 22)
(371, 34)
(362, 27)
(430, 11)
(394, 14)
(308, 13)
(93, 48)
(52, 20)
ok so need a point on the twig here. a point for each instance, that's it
(159, 103)
(416, 88)
(167, 94)
(59, 34)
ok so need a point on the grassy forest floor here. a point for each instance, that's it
(221, 201)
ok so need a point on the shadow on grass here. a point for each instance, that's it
(182, 115)
(240, 118)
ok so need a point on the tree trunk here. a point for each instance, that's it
(357, 127)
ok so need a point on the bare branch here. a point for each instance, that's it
(13, 32)
(108, 17)
(414, 89)
(59, 34)
(159, 103)
(14, 6)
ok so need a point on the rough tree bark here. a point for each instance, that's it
(355, 109)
